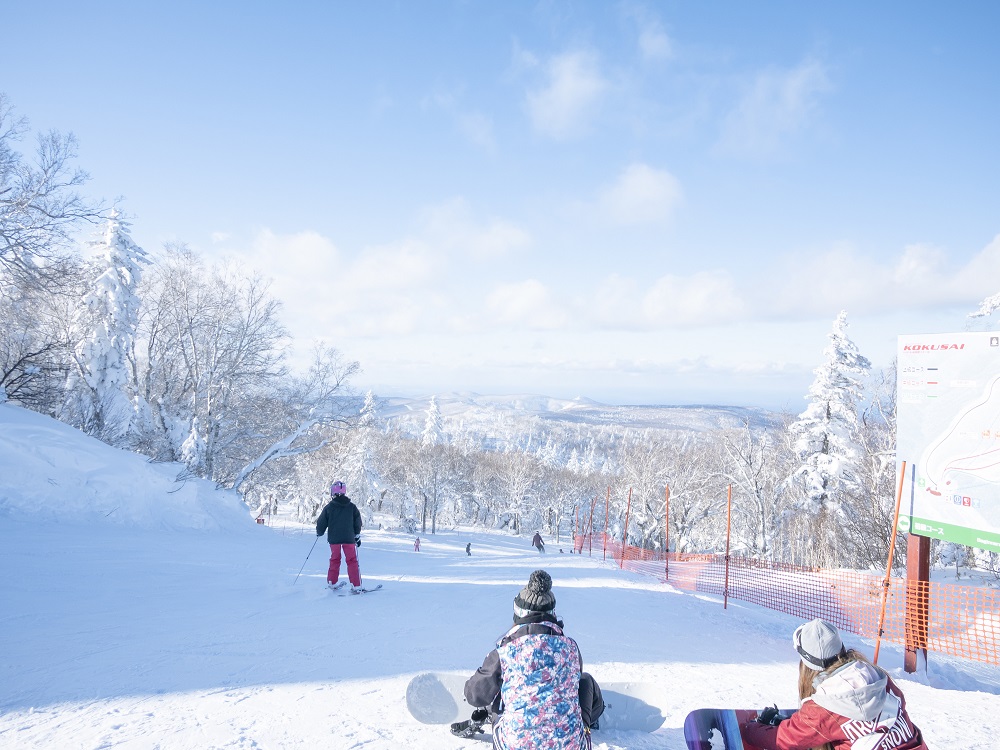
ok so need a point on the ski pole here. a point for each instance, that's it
(305, 561)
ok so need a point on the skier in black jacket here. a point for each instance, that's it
(341, 520)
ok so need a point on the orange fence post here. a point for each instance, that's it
(888, 565)
(729, 518)
(607, 505)
(590, 526)
(628, 510)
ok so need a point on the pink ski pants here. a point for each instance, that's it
(351, 555)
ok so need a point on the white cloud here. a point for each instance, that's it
(654, 44)
(382, 290)
(452, 226)
(304, 256)
(526, 303)
(773, 106)
(704, 298)
(641, 194)
(477, 128)
(398, 266)
(573, 86)
(521, 60)
(917, 264)
(918, 278)
(219, 237)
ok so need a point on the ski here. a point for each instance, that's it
(353, 592)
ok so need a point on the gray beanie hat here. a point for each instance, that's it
(536, 596)
(818, 644)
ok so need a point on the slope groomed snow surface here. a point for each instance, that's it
(139, 611)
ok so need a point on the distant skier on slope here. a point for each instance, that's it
(536, 541)
(847, 702)
(533, 683)
(341, 520)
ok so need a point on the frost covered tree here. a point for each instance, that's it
(825, 434)
(369, 459)
(212, 347)
(39, 203)
(99, 400)
(433, 427)
(430, 476)
(992, 303)
(35, 345)
(756, 465)
(866, 527)
(297, 414)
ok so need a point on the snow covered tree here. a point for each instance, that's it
(866, 527)
(756, 465)
(212, 347)
(433, 427)
(992, 303)
(39, 203)
(364, 455)
(35, 345)
(300, 414)
(826, 432)
(100, 402)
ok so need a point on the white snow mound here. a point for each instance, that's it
(48, 468)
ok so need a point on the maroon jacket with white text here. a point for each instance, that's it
(855, 707)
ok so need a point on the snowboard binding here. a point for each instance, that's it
(471, 727)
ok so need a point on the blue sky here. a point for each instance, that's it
(635, 202)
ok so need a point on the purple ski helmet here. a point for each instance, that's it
(338, 488)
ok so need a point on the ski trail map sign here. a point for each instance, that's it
(948, 432)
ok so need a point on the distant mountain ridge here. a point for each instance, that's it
(477, 408)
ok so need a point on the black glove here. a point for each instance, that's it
(770, 716)
(357, 539)
(480, 715)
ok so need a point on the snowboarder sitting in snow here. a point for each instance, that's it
(847, 702)
(533, 681)
(341, 520)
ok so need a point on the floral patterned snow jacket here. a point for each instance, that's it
(533, 677)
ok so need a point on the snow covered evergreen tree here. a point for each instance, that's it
(99, 400)
(988, 306)
(433, 428)
(825, 433)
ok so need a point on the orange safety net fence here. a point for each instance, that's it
(962, 621)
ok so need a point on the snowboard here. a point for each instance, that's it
(718, 728)
(439, 698)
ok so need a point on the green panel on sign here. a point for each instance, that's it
(950, 533)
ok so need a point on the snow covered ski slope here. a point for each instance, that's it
(138, 613)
